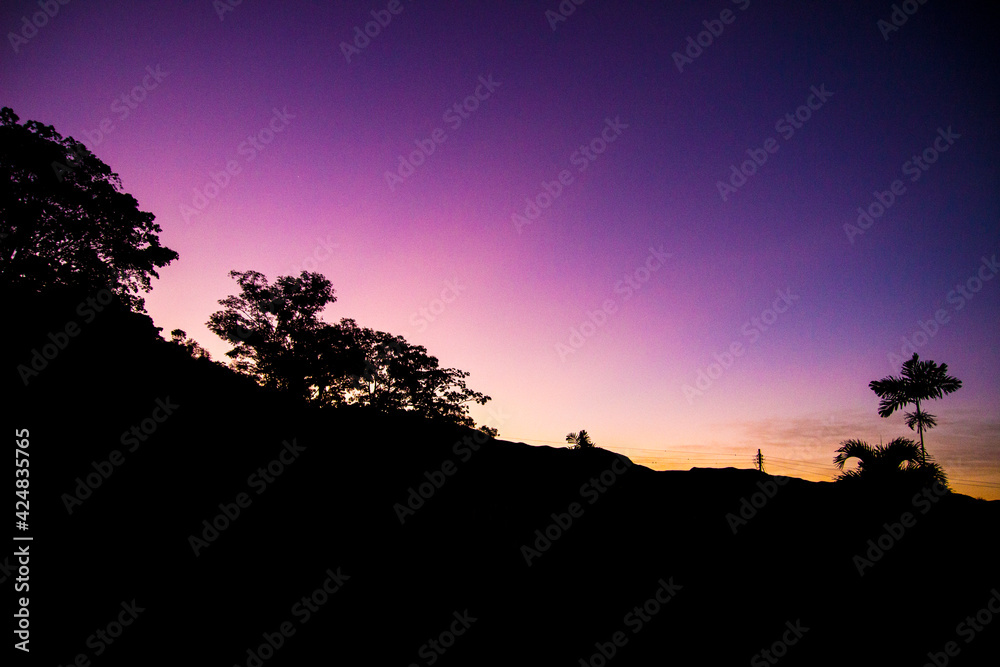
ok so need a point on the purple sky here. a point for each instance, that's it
(635, 246)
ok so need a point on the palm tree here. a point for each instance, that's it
(898, 460)
(919, 381)
(580, 440)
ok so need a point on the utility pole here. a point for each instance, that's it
(759, 461)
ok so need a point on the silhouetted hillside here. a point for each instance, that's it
(330, 511)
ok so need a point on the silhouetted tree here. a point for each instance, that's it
(580, 440)
(180, 337)
(280, 340)
(274, 329)
(64, 219)
(899, 460)
(919, 381)
(338, 360)
(392, 374)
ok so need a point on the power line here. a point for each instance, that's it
(799, 463)
(803, 470)
(988, 485)
(814, 467)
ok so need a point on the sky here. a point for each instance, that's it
(693, 229)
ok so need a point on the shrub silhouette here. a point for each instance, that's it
(580, 440)
(897, 461)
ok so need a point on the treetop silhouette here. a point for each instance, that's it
(65, 221)
(280, 340)
(918, 381)
(180, 337)
(273, 327)
(580, 440)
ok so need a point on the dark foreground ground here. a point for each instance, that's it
(323, 565)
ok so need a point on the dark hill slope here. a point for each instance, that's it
(332, 509)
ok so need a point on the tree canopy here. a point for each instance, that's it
(180, 337)
(279, 338)
(65, 221)
(275, 329)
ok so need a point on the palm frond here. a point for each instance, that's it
(926, 419)
(581, 440)
(897, 452)
(897, 461)
(894, 393)
(854, 449)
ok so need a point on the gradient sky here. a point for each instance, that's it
(501, 298)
